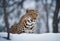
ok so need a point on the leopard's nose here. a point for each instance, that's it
(31, 20)
(34, 20)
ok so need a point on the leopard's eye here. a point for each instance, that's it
(31, 20)
(36, 14)
(30, 14)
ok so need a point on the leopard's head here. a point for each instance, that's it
(32, 14)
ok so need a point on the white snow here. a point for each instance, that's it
(31, 37)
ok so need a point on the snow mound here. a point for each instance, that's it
(31, 37)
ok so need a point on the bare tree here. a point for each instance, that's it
(37, 23)
(19, 6)
(6, 18)
(55, 18)
(46, 9)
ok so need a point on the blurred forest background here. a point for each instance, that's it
(49, 14)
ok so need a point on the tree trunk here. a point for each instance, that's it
(46, 9)
(6, 18)
(55, 18)
(47, 21)
(19, 6)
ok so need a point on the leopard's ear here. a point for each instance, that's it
(30, 10)
(27, 11)
(35, 11)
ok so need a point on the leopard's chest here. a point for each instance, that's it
(29, 26)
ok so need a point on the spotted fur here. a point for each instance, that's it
(26, 24)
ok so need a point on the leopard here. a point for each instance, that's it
(26, 23)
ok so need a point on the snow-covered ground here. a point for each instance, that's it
(31, 37)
